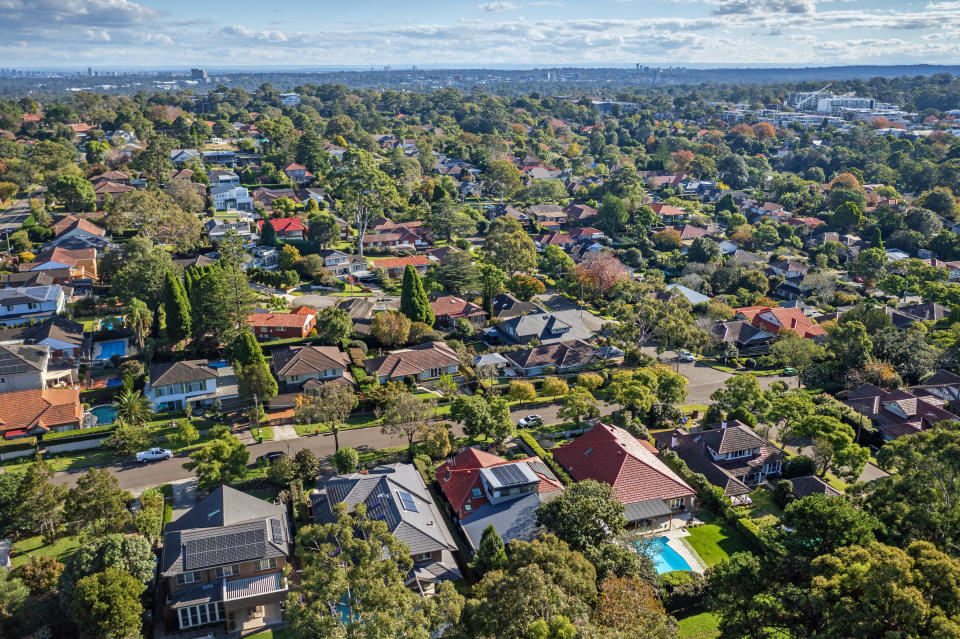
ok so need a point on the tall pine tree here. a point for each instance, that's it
(268, 234)
(491, 555)
(246, 350)
(177, 307)
(413, 299)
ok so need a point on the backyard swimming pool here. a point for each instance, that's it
(106, 414)
(665, 558)
(109, 349)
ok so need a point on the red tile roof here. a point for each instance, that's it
(454, 307)
(789, 318)
(43, 409)
(70, 222)
(459, 476)
(284, 224)
(666, 210)
(293, 320)
(401, 262)
(612, 455)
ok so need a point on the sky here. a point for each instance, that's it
(173, 34)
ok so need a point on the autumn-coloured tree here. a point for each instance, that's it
(667, 239)
(390, 328)
(764, 131)
(680, 160)
(629, 604)
(600, 272)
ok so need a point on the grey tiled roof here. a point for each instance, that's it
(180, 372)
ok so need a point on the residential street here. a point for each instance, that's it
(13, 217)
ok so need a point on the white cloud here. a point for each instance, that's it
(496, 7)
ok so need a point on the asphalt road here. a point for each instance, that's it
(13, 217)
(136, 477)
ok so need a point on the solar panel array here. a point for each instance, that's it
(277, 529)
(509, 475)
(406, 500)
(224, 549)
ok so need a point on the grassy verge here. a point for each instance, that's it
(281, 633)
(34, 546)
(265, 433)
(716, 540)
(701, 625)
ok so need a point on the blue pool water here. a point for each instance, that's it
(665, 558)
(105, 414)
(114, 381)
(109, 349)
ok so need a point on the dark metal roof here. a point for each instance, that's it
(227, 548)
(649, 509)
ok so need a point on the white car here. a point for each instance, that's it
(530, 420)
(686, 357)
(154, 454)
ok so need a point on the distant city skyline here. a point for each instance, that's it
(115, 34)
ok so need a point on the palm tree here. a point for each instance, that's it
(139, 317)
(132, 407)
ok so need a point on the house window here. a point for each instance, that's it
(675, 503)
(188, 578)
(200, 615)
(424, 556)
(265, 564)
(294, 378)
(195, 386)
(435, 372)
(227, 571)
(33, 306)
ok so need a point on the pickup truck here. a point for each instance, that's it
(154, 454)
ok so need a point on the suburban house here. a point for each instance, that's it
(220, 177)
(506, 306)
(27, 413)
(586, 234)
(555, 326)
(218, 227)
(650, 492)
(297, 173)
(729, 454)
(267, 196)
(547, 214)
(423, 362)
(394, 266)
(109, 187)
(265, 257)
(396, 495)
(342, 264)
(81, 263)
(222, 564)
(742, 333)
(360, 310)
(73, 232)
(396, 238)
(27, 278)
(561, 239)
(811, 485)
(20, 305)
(287, 228)
(557, 357)
(296, 365)
(790, 269)
(179, 156)
(199, 381)
(896, 413)
(942, 384)
(448, 309)
(668, 214)
(231, 197)
(28, 367)
(299, 323)
(442, 254)
(772, 319)
(483, 489)
(65, 338)
(580, 213)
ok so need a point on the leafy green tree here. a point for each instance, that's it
(521, 391)
(509, 248)
(353, 584)
(97, 504)
(742, 392)
(9, 485)
(219, 461)
(333, 325)
(139, 318)
(612, 215)
(504, 177)
(870, 264)
(847, 216)
(185, 434)
(586, 514)
(407, 415)
(40, 574)
(345, 460)
(40, 502)
(363, 190)
(525, 287)
(458, 274)
(579, 403)
(483, 417)
(14, 593)
(106, 605)
(268, 234)
(308, 465)
(630, 605)
(703, 250)
(129, 437)
(796, 352)
(553, 386)
(331, 406)
(282, 471)
(132, 554)
(834, 448)
(75, 192)
(390, 328)
(255, 380)
(413, 299)
(491, 555)
(850, 344)
(818, 525)
(324, 229)
(177, 307)
(149, 520)
(491, 281)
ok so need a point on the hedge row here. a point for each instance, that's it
(752, 533)
(546, 457)
(14, 445)
(78, 435)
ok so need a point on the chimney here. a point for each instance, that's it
(447, 478)
(723, 425)
(673, 439)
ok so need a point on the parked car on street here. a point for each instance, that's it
(530, 420)
(686, 357)
(154, 454)
(270, 457)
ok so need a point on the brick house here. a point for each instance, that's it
(299, 323)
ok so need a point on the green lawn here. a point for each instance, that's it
(716, 540)
(701, 625)
(265, 433)
(836, 482)
(33, 546)
(764, 509)
(282, 633)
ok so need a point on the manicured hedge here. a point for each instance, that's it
(78, 435)
(546, 457)
(13, 445)
(752, 533)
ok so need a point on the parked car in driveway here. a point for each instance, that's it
(530, 420)
(154, 454)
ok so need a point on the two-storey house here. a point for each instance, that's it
(448, 309)
(396, 495)
(231, 197)
(199, 381)
(341, 264)
(287, 228)
(218, 227)
(294, 366)
(26, 367)
(731, 455)
(20, 305)
(222, 564)
(297, 173)
(267, 325)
